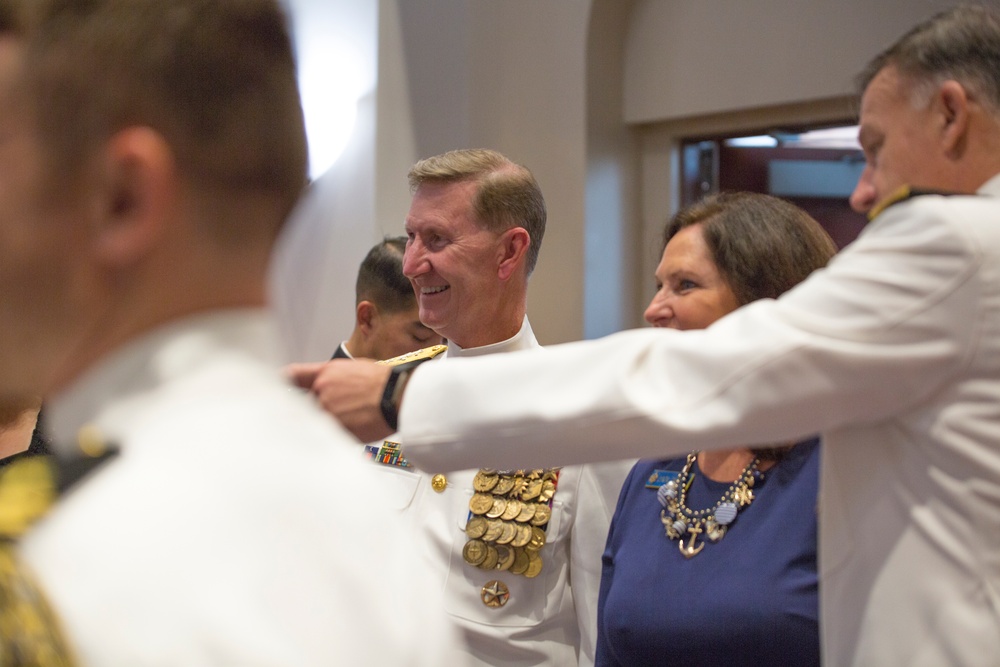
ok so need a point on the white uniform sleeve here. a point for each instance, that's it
(881, 329)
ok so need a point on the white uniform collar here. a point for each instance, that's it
(990, 187)
(107, 393)
(524, 339)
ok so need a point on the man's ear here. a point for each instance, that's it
(513, 251)
(135, 195)
(365, 314)
(951, 102)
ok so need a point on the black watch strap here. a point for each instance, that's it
(402, 366)
(394, 391)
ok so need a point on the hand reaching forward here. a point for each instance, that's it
(350, 390)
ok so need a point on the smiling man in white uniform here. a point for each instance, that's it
(517, 552)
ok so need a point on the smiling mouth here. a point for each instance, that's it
(425, 291)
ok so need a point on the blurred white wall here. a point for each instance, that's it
(316, 262)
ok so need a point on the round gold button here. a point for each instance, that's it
(439, 483)
(90, 441)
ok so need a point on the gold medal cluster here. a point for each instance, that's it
(510, 511)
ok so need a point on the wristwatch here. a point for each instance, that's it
(402, 366)
(393, 391)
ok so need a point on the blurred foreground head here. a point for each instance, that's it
(150, 151)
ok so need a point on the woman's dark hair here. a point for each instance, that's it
(763, 246)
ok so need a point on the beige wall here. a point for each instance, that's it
(688, 59)
(610, 277)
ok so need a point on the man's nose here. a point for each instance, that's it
(864, 195)
(413, 259)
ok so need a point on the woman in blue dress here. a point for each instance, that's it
(711, 558)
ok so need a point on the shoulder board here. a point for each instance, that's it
(30, 485)
(902, 194)
(31, 632)
(418, 355)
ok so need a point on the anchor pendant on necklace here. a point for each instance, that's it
(690, 550)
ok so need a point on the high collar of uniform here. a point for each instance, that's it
(106, 394)
(991, 187)
(524, 339)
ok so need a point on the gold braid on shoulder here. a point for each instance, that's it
(30, 632)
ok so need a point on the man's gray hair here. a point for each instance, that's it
(960, 44)
(507, 196)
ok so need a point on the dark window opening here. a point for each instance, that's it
(815, 168)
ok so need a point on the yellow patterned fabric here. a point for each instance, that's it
(29, 631)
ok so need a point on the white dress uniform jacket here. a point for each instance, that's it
(893, 351)
(232, 528)
(547, 617)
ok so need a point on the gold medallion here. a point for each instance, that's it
(537, 538)
(481, 503)
(521, 561)
(534, 566)
(504, 484)
(498, 506)
(494, 528)
(476, 527)
(491, 559)
(542, 515)
(527, 512)
(483, 481)
(508, 534)
(506, 557)
(512, 510)
(523, 535)
(474, 552)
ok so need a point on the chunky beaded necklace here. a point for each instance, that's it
(680, 521)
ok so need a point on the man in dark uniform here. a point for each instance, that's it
(386, 319)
